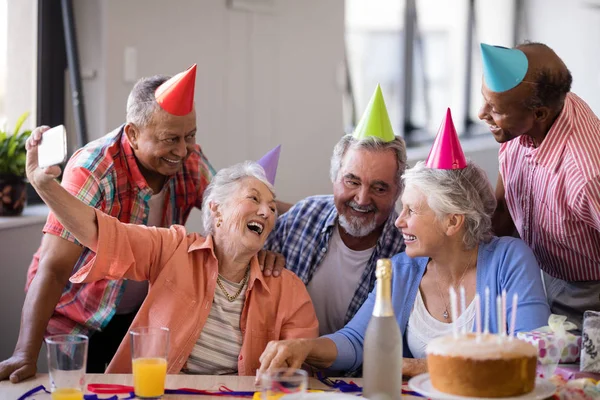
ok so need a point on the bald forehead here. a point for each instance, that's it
(505, 99)
(541, 56)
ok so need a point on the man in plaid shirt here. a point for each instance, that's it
(333, 242)
(149, 171)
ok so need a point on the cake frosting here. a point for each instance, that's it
(486, 347)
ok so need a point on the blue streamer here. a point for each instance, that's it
(41, 388)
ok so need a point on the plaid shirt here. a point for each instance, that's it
(104, 174)
(302, 235)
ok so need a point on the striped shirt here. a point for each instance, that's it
(553, 192)
(303, 236)
(104, 174)
(217, 349)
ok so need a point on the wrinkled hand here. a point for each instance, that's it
(271, 263)
(36, 175)
(17, 368)
(284, 354)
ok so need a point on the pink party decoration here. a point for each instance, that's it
(446, 152)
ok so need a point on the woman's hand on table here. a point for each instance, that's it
(284, 354)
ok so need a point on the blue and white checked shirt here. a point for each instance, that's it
(302, 235)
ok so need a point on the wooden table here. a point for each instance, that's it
(245, 383)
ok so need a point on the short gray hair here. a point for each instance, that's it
(141, 103)
(370, 143)
(224, 183)
(460, 191)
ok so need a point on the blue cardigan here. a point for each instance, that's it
(503, 263)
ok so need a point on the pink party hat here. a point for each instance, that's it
(269, 163)
(176, 96)
(446, 152)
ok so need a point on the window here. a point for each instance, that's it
(433, 48)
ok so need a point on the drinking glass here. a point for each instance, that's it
(283, 381)
(67, 360)
(149, 350)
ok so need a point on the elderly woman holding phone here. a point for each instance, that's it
(208, 290)
(446, 223)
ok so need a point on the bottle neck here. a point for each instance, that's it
(383, 300)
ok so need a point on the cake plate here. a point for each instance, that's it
(422, 385)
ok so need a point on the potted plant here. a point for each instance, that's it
(12, 169)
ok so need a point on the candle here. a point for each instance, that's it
(478, 316)
(486, 309)
(504, 322)
(513, 315)
(463, 306)
(453, 310)
(499, 315)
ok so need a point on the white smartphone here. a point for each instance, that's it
(53, 148)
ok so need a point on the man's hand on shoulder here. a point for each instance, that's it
(18, 368)
(271, 263)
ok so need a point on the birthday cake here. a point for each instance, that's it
(491, 366)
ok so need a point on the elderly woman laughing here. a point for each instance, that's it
(208, 290)
(446, 223)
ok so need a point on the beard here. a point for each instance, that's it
(357, 226)
(354, 226)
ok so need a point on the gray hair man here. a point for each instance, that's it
(332, 242)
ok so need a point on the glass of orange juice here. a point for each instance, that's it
(67, 358)
(149, 349)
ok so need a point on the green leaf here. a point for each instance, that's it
(12, 148)
(20, 121)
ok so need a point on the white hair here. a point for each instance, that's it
(226, 182)
(141, 103)
(371, 144)
(461, 191)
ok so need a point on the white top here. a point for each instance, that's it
(217, 349)
(345, 267)
(423, 328)
(488, 347)
(135, 291)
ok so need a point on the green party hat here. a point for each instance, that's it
(375, 120)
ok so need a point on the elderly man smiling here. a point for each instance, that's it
(333, 242)
(549, 183)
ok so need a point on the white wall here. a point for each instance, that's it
(21, 61)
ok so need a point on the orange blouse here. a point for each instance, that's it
(182, 270)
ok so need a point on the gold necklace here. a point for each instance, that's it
(235, 296)
(441, 293)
